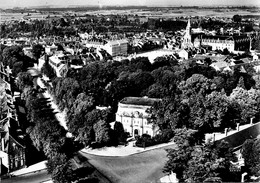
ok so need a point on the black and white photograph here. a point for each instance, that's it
(120, 91)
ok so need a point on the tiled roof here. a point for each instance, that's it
(139, 101)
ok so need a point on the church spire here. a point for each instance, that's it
(187, 37)
(188, 28)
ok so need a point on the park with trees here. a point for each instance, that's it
(196, 99)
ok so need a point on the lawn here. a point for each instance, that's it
(137, 168)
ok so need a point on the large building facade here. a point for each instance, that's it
(113, 47)
(231, 43)
(218, 42)
(132, 113)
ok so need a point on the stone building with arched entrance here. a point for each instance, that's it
(132, 113)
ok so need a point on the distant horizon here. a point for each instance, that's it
(125, 3)
(140, 6)
(103, 6)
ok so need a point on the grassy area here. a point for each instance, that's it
(142, 167)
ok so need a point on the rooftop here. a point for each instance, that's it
(218, 58)
(139, 101)
(218, 37)
(119, 41)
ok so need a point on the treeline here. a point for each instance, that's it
(14, 57)
(49, 136)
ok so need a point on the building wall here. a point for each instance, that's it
(219, 44)
(12, 153)
(60, 68)
(238, 138)
(116, 49)
(134, 119)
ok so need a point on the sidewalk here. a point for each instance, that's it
(220, 135)
(123, 150)
(31, 169)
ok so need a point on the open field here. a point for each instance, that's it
(151, 13)
(172, 13)
(142, 167)
(5, 17)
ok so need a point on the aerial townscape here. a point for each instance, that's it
(129, 93)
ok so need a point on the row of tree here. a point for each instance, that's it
(49, 136)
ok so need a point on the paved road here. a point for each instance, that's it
(39, 177)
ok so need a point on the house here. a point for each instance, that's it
(132, 113)
(12, 152)
(220, 66)
(59, 63)
(184, 54)
(51, 49)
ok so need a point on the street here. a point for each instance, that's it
(39, 177)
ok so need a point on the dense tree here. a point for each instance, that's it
(237, 18)
(257, 81)
(256, 44)
(102, 132)
(65, 91)
(219, 112)
(198, 85)
(81, 125)
(141, 81)
(24, 79)
(141, 63)
(250, 152)
(179, 157)
(17, 67)
(48, 70)
(193, 162)
(119, 132)
(11, 55)
(248, 101)
(157, 91)
(164, 61)
(82, 104)
(37, 51)
(60, 168)
(94, 78)
(164, 76)
(117, 90)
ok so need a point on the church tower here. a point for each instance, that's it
(187, 37)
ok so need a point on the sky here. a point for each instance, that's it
(28, 3)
